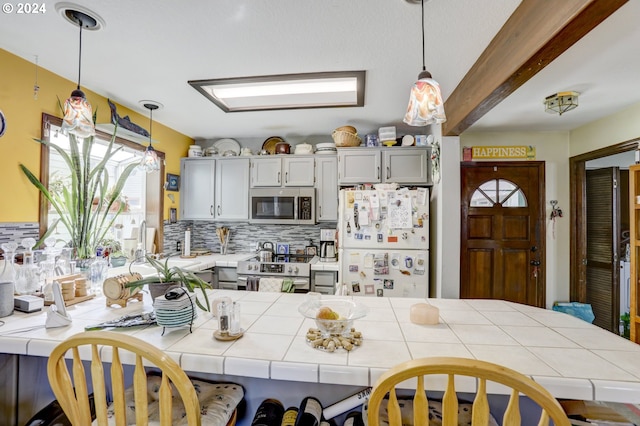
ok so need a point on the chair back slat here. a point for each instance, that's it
(117, 387)
(450, 403)
(420, 405)
(84, 411)
(393, 408)
(99, 388)
(480, 410)
(452, 367)
(172, 375)
(140, 391)
(512, 413)
(165, 402)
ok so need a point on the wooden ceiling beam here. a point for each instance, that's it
(535, 34)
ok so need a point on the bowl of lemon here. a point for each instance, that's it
(333, 316)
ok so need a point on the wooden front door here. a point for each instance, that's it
(503, 232)
(603, 221)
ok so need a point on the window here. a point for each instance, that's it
(498, 192)
(143, 191)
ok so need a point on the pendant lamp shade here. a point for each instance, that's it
(425, 100)
(150, 161)
(78, 114)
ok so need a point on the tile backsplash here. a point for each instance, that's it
(242, 235)
(203, 234)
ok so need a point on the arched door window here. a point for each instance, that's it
(498, 192)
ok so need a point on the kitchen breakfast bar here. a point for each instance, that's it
(571, 358)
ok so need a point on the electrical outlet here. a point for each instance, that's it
(178, 245)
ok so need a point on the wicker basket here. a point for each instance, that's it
(344, 139)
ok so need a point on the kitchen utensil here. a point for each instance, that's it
(263, 152)
(270, 144)
(223, 236)
(229, 153)
(345, 139)
(195, 151)
(282, 148)
(407, 140)
(303, 148)
(348, 129)
(246, 151)
(223, 145)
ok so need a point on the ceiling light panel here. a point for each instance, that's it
(288, 91)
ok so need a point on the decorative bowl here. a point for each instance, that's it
(347, 311)
(118, 261)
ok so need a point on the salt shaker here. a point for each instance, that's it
(234, 329)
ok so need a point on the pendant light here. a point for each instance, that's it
(150, 161)
(425, 101)
(78, 114)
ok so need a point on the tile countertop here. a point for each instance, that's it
(571, 358)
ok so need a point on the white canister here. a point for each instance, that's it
(195, 151)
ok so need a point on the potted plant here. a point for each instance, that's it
(172, 276)
(87, 205)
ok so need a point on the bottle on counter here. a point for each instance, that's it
(269, 413)
(289, 417)
(309, 413)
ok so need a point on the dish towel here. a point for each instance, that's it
(270, 284)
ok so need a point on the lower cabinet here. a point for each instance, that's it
(324, 282)
(226, 278)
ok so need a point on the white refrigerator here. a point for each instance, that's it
(383, 242)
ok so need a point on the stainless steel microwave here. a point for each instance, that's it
(285, 206)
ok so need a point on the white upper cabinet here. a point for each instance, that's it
(326, 188)
(266, 172)
(403, 165)
(197, 188)
(283, 170)
(232, 189)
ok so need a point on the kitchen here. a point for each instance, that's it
(24, 123)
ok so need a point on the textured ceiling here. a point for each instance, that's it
(150, 49)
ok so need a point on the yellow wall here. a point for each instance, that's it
(23, 113)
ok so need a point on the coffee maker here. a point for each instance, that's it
(327, 245)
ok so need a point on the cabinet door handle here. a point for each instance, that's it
(218, 210)
(319, 212)
(286, 177)
(388, 173)
(378, 173)
(211, 210)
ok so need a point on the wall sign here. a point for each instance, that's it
(522, 152)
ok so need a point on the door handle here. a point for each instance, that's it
(378, 173)
(286, 177)
(535, 263)
(319, 212)
(218, 210)
(211, 210)
(388, 173)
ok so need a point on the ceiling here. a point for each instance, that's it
(150, 49)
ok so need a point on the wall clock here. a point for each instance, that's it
(435, 162)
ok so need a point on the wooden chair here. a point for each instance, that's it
(73, 395)
(451, 367)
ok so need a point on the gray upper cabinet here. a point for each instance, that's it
(232, 189)
(266, 172)
(358, 166)
(283, 170)
(403, 165)
(327, 188)
(407, 165)
(197, 188)
(214, 189)
(298, 170)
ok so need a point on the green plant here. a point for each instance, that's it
(167, 274)
(87, 205)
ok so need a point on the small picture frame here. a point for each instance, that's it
(173, 215)
(311, 251)
(173, 182)
(282, 248)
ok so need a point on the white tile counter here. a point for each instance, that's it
(570, 357)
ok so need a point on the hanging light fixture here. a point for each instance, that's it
(150, 161)
(78, 114)
(425, 101)
(561, 102)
